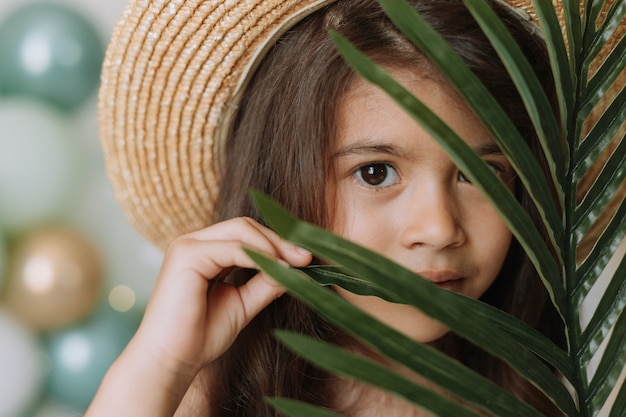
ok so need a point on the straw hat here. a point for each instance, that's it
(173, 74)
(171, 80)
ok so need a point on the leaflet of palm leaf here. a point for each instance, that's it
(586, 226)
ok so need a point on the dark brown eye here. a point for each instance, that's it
(377, 175)
(463, 178)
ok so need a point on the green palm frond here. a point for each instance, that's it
(586, 225)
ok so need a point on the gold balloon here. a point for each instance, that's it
(54, 279)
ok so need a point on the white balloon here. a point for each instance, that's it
(21, 367)
(40, 169)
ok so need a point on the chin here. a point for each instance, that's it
(405, 319)
(417, 326)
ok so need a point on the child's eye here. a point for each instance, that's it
(377, 174)
(463, 178)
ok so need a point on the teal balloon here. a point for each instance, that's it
(50, 52)
(80, 355)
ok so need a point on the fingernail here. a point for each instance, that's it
(302, 251)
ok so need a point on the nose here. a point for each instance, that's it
(433, 219)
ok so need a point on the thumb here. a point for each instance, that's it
(258, 293)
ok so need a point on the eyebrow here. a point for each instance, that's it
(369, 148)
(488, 149)
(377, 148)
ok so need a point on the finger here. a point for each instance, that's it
(207, 259)
(251, 234)
(293, 254)
(186, 276)
(258, 293)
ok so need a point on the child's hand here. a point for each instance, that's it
(192, 317)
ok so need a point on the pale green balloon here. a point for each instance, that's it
(50, 52)
(40, 164)
(22, 367)
(81, 355)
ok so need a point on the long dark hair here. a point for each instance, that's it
(281, 146)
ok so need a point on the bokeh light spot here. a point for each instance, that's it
(36, 54)
(39, 274)
(122, 298)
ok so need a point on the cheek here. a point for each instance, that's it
(367, 228)
(492, 239)
(342, 212)
(493, 232)
(362, 219)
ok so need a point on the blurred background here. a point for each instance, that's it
(74, 275)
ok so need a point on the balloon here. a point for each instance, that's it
(81, 355)
(54, 278)
(40, 167)
(21, 367)
(51, 409)
(130, 259)
(50, 52)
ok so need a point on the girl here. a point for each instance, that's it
(333, 150)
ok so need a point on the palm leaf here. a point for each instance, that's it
(402, 285)
(535, 99)
(609, 368)
(344, 363)
(562, 67)
(419, 358)
(592, 109)
(295, 408)
(619, 406)
(609, 308)
(524, 334)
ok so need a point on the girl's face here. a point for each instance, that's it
(398, 193)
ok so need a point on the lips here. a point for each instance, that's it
(449, 280)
